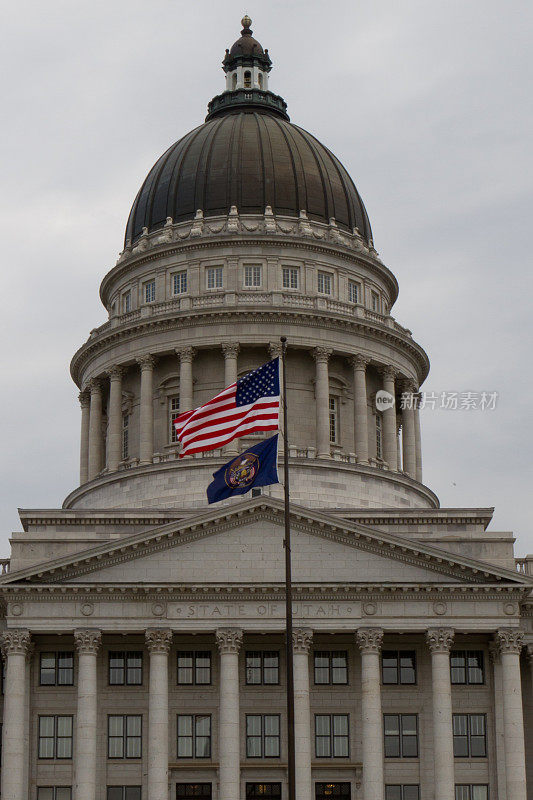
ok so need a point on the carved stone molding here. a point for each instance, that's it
(322, 354)
(95, 386)
(275, 349)
(85, 399)
(302, 639)
(87, 640)
(158, 640)
(230, 349)
(510, 640)
(185, 354)
(388, 373)
(116, 373)
(146, 362)
(16, 641)
(358, 362)
(229, 640)
(440, 640)
(369, 639)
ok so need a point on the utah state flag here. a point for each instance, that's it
(256, 466)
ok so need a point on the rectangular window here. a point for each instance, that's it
(200, 791)
(149, 291)
(262, 667)
(124, 736)
(332, 736)
(173, 411)
(379, 435)
(469, 736)
(375, 301)
(404, 791)
(126, 302)
(123, 793)
(354, 292)
(252, 276)
(332, 791)
(179, 282)
(54, 793)
(471, 791)
(333, 419)
(56, 669)
(214, 277)
(194, 736)
(194, 668)
(263, 791)
(324, 282)
(262, 736)
(290, 277)
(398, 667)
(126, 668)
(125, 436)
(401, 735)
(331, 666)
(55, 737)
(466, 667)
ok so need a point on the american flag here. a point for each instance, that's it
(251, 404)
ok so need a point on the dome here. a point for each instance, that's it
(250, 158)
(246, 46)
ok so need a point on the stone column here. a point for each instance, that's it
(147, 363)
(369, 641)
(186, 355)
(229, 641)
(511, 641)
(85, 403)
(231, 351)
(158, 641)
(95, 430)
(323, 448)
(87, 643)
(114, 430)
(15, 644)
(390, 454)
(495, 660)
(440, 641)
(408, 430)
(301, 639)
(360, 408)
(418, 440)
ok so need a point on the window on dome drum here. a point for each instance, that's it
(56, 669)
(200, 791)
(126, 302)
(179, 282)
(469, 736)
(124, 736)
(332, 791)
(331, 666)
(194, 736)
(379, 435)
(214, 277)
(333, 419)
(290, 276)
(123, 793)
(375, 301)
(194, 668)
(263, 791)
(260, 81)
(234, 81)
(471, 791)
(354, 291)
(247, 80)
(126, 668)
(54, 793)
(125, 436)
(398, 666)
(55, 737)
(252, 276)
(404, 791)
(466, 667)
(262, 667)
(262, 736)
(149, 291)
(173, 411)
(401, 735)
(324, 282)
(332, 736)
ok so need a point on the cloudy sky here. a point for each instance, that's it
(427, 104)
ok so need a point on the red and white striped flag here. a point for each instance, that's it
(251, 404)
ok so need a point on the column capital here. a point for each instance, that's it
(230, 349)
(95, 386)
(158, 640)
(229, 640)
(115, 373)
(87, 640)
(302, 639)
(16, 641)
(408, 386)
(85, 398)
(440, 640)
(369, 639)
(510, 640)
(185, 354)
(275, 349)
(358, 361)
(322, 354)
(386, 371)
(146, 362)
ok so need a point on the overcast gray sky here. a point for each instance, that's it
(428, 105)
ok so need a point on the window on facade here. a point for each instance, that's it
(200, 791)
(374, 299)
(469, 736)
(247, 80)
(123, 793)
(331, 666)
(262, 736)
(401, 735)
(54, 793)
(404, 791)
(332, 791)
(324, 282)
(260, 80)
(56, 669)
(126, 668)
(290, 277)
(398, 666)
(194, 736)
(466, 666)
(471, 791)
(252, 276)
(149, 291)
(194, 667)
(379, 435)
(332, 736)
(262, 667)
(214, 277)
(173, 411)
(354, 292)
(263, 791)
(55, 737)
(124, 736)
(125, 436)
(179, 282)
(126, 302)
(333, 419)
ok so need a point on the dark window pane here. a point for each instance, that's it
(339, 667)
(321, 667)
(407, 667)
(390, 666)
(185, 668)
(411, 793)
(114, 793)
(132, 793)
(271, 667)
(458, 666)
(393, 792)
(48, 669)
(480, 793)
(253, 668)
(475, 666)
(203, 668)
(116, 669)
(134, 669)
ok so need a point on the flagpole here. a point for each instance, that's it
(288, 591)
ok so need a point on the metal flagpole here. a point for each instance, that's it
(288, 590)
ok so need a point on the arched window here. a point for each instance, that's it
(260, 81)
(247, 80)
(234, 81)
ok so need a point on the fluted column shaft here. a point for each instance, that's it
(390, 448)
(85, 403)
(511, 642)
(229, 641)
(408, 431)
(360, 409)
(95, 430)
(146, 449)
(302, 638)
(369, 641)
(494, 655)
(322, 356)
(440, 641)
(114, 432)
(158, 641)
(418, 440)
(15, 644)
(231, 352)
(186, 355)
(87, 644)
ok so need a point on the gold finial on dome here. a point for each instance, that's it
(246, 22)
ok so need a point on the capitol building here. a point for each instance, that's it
(143, 631)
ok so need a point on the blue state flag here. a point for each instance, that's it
(256, 466)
